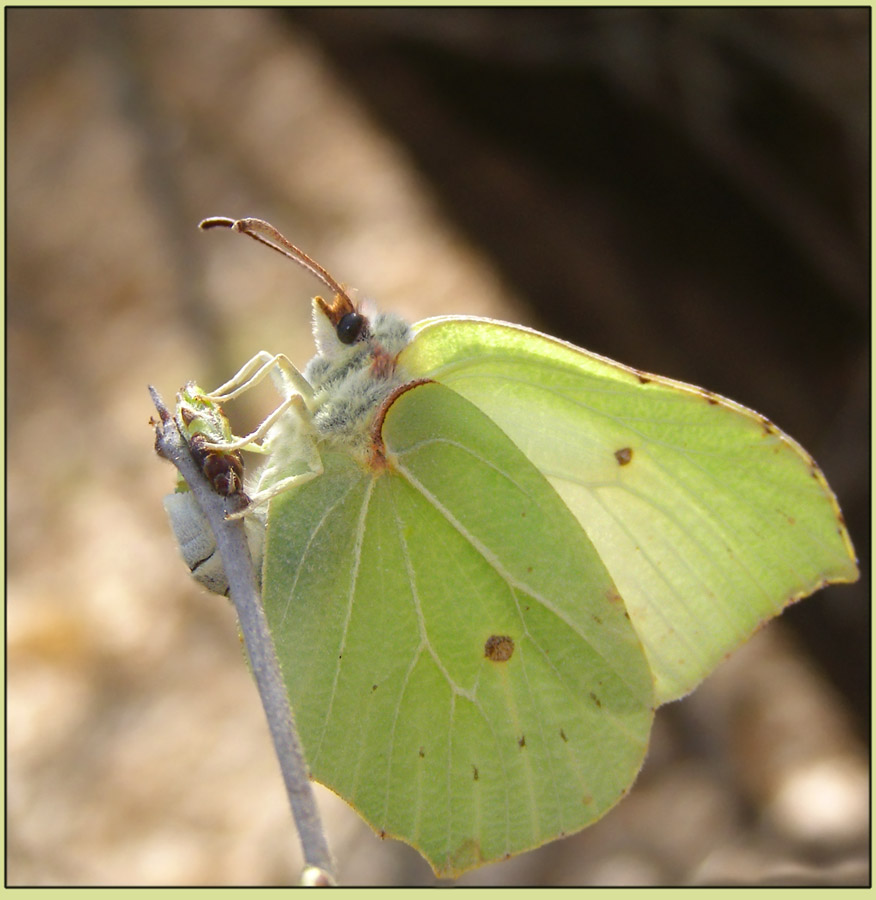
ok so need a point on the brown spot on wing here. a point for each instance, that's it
(710, 397)
(623, 456)
(499, 647)
(767, 426)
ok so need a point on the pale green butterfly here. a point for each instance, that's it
(490, 555)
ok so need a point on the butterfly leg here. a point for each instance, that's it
(292, 446)
(293, 386)
(282, 486)
(255, 370)
(252, 441)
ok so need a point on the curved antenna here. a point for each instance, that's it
(266, 234)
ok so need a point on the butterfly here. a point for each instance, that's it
(487, 556)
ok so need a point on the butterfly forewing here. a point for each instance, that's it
(708, 517)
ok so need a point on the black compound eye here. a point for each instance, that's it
(350, 327)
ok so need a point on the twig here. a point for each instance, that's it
(237, 562)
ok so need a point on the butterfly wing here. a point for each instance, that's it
(462, 668)
(709, 518)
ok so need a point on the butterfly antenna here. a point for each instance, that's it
(266, 234)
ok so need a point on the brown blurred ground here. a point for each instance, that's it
(668, 227)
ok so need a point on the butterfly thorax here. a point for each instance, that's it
(351, 382)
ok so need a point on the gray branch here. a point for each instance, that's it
(236, 559)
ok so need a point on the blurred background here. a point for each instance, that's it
(684, 190)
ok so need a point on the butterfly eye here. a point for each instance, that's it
(350, 327)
